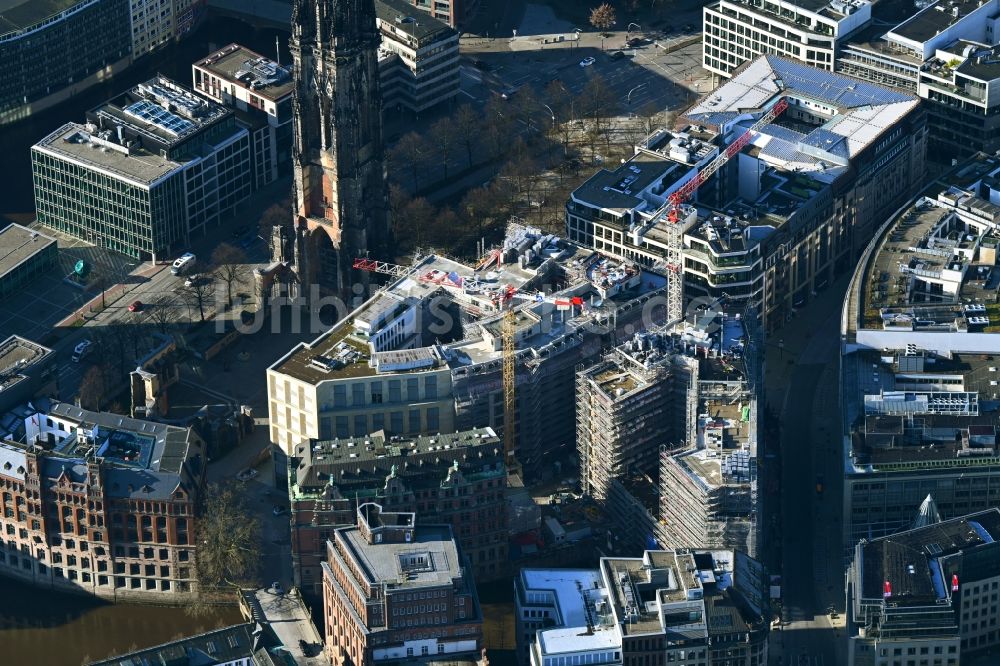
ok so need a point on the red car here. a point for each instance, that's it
(135, 307)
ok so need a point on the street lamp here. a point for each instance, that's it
(552, 114)
(628, 30)
(628, 98)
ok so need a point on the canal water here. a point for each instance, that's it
(39, 626)
(53, 629)
(17, 202)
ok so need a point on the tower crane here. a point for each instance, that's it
(672, 209)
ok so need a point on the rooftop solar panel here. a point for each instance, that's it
(157, 115)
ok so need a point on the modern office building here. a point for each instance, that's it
(424, 355)
(148, 171)
(157, 23)
(418, 59)
(926, 595)
(101, 504)
(395, 590)
(919, 370)
(453, 12)
(947, 54)
(737, 31)
(456, 479)
(25, 254)
(27, 370)
(260, 92)
(53, 50)
(789, 211)
(692, 607)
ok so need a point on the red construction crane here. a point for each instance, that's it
(684, 192)
(675, 284)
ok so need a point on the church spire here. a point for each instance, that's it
(339, 191)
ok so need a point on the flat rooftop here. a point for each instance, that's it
(932, 20)
(18, 244)
(587, 284)
(249, 69)
(75, 143)
(861, 111)
(576, 593)
(17, 15)
(405, 18)
(387, 562)
(320, 458)
(620, 190)
(17, 354)
(910, 561)
(287, 616)
(938, 240)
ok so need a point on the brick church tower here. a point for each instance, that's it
(339, 194)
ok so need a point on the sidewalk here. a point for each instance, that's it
(111, 295)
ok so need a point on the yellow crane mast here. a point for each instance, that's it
(507, 328)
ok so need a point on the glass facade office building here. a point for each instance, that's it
(47, 48)
(143, 183)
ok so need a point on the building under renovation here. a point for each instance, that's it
(667, 435)
(424, 354)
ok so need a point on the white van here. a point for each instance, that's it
(82, 350)
(182, 263)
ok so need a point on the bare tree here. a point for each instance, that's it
(197, 293)
(467, 124)
(603, 17)
(159, 313)
(414, 222)
(230, 266)
(130, 329)
(442, 136)
(564, 108)
(653, 117)
(500, 126)
(600, 106)
(411, 153)
(229, 541)
(476, 207)
(93, 388)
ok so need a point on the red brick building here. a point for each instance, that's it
(458, 479)
(394, 590)
(101, 504)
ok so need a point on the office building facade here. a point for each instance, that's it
(456, 479)
(926, 595)
(99, 504)
(54, 50)
(148, 171)
(418, 58)
(259, 90)
(395, 590)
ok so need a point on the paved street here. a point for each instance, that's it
(802, 387)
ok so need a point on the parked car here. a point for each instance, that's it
(636, 41)
(247, 474)
(192, 280)
(481, 64)
(588, 61)
(279, 511)
(617, 55)
(135, 306)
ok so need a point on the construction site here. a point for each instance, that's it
(426, 353)
(667, 434)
